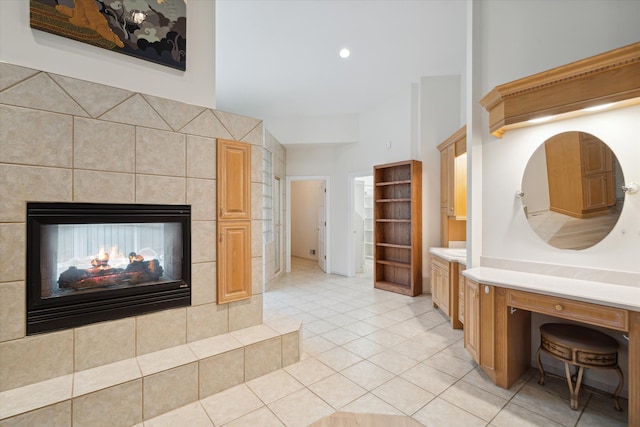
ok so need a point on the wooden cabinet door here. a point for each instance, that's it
(440, 284)
(234, 260)
(460, 296)
(234, 180)
(596, 191)
(472, 319)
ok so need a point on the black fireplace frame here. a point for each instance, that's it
(51, 314)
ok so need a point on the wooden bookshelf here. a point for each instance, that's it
(398, 227)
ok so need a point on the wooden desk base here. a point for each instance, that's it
(505, 334)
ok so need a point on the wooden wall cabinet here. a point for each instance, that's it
(233, 221)
(453, 188)
(398, 227)
(581, 175)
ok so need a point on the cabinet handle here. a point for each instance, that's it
(559, 307)
(221, 237)
(221, 211)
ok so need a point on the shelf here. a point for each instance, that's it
(392, 200)
(394, 263)
(381, 184)
(393, 245)
(394, 220)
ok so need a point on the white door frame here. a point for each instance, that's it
(327, 242)
(351, 268)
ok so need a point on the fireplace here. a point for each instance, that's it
(90, 262)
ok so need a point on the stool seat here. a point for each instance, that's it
(581, 347)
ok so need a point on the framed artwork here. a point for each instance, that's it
(153, 30)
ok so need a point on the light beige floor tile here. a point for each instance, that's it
(319, 327)
(386, 338)
(478, 378)
(393, 361)
(231, 404)
(399, 315)
(309, 371)
(593, 418)
(372, 404)
(274, 386)
(340, 336)
(439, 412)
(361, 328)
(360, 314)
(380, 321)
(403, 395)
(364, 347)
(367, 374)
(300, 408)
(419, 347)
(337, 390)
(429, 378)
(340, 319)
(457, 349)
(450, 364)
(474, 400)
(546, 404)
(338, 358)
(262, 417)
(192, 415)
(408, 328)
(514, 415)
(603, 403)
(316, 345)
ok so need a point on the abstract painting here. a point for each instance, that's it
(153, 30)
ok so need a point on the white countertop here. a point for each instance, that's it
(625, 297)
(458, 255)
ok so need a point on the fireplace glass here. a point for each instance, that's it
(95, 262)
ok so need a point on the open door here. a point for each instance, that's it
(322, 227)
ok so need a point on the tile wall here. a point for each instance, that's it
(59, 137)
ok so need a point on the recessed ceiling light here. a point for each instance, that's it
(599, 107)
(345, 53)
(541, 119)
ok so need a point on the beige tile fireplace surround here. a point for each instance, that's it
(66, 140)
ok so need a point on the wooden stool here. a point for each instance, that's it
(581, 347)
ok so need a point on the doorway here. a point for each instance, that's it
(361, 245)
(307, 235)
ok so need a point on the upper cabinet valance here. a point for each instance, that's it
(610, 77)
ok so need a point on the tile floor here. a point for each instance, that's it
(372, 351)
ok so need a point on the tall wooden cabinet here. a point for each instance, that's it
(233, 221)
(581, 175)
(453, 188)
(398, 227)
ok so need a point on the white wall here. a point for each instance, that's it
(511, 44)
(21, 45)
(440, 117)
(388, 121)
(304, 218)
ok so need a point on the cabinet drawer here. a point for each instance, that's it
(440, 263)
(594, 314)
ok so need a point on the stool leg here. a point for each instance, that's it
(618, 389)
(573, 391)
(541, 381)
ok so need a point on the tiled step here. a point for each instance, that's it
(136, 389)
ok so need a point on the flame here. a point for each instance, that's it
(102, 255)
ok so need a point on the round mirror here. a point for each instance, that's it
(572, 197)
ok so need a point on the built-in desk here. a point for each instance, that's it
(498, 310)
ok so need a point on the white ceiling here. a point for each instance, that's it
(278, 59)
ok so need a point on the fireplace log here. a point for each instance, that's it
(96, 277)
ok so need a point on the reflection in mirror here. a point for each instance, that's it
(572, 196)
